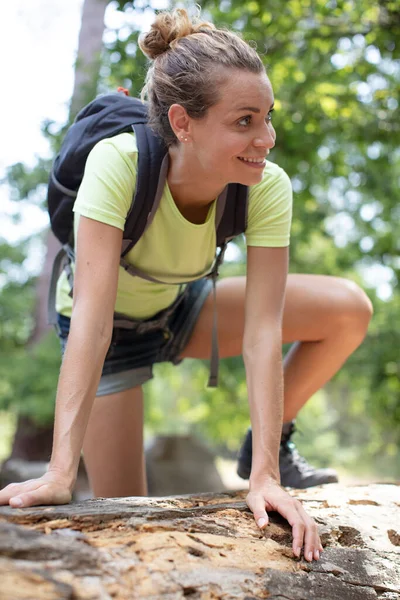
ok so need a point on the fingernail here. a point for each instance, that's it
(310, 556)
(261, 522)
(298, 552)
(16, 502)
(317, 555)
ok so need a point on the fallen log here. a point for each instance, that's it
(203, 547)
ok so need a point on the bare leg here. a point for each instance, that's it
(113, 445)
(327, 317)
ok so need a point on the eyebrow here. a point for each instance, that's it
(251, 108)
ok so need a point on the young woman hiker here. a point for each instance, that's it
(211, 101)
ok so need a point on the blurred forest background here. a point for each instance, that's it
(335, 69)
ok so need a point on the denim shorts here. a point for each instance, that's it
(138, 344)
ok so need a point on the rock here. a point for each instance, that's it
(202, 547)
(180, 465)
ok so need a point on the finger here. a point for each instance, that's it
(12, 489)
(6, 493)
(319, 548)
(32, 497)
(256, 503)
(312, 542)
(294, 518)
(44, 494)
(298, 530)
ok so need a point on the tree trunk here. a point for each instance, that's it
(42, 288)
(204, 547)
(88, 61)
(28, 445)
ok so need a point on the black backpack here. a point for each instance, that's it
(105, 117)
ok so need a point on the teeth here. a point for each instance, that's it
(252, 160)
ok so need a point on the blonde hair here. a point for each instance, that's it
(187, 57)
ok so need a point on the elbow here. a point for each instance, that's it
(263, 342)
(105, 330)
(90, 326)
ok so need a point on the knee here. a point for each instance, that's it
(355, 311)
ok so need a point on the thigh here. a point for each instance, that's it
(230, 311)
(313, 304)
(113, 445)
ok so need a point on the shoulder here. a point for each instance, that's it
(120, 150)
(106, 190)
(270, 209)
(275, 182)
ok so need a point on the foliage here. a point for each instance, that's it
(31, 381)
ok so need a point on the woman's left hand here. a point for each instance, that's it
(269, 495)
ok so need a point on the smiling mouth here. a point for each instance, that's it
(257, 161)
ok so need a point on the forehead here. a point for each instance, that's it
(242, 89)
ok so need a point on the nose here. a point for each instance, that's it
(266, 138)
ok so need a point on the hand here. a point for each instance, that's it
(269, 495)
(51, 488)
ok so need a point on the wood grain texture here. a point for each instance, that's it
(202, 547)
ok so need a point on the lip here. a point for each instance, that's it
(259, 165)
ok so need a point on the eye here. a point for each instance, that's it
(245, 121)
(269, 116)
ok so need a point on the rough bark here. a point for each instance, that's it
(202, 547)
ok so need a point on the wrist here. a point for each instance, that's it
(68, 476)
(263, 477)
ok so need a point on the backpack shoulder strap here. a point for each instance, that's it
(150, 176)
(234, 218)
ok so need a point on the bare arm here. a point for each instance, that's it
(95, 288)
(262, 351)
(96, 275)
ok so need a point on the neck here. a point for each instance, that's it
(189, 184)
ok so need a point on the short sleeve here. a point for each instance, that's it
(108, 184)
(270, 209)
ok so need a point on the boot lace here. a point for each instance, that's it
(292, 454)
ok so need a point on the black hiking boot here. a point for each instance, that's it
(294, 469)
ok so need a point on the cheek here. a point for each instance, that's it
(217, 149)
(220, 147)
(234, 146)
(240, 144)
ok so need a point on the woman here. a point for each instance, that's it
(211, 101)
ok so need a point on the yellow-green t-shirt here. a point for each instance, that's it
(172, 249)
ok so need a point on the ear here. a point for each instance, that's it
(179, 121)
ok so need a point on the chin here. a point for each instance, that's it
(246, 178)
(249, 180)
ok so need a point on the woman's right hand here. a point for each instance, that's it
(51, 488)
(267, 494)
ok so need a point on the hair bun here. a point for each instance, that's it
(169, 27)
